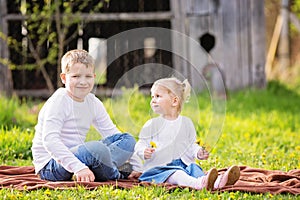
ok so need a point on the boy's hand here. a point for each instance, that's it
(85, 175)
(134, 175)
(148, 153)
(202, 154)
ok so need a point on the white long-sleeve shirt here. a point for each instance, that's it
(174, 139)
(62, 124)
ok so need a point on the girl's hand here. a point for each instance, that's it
(148, 153)
(202, 154)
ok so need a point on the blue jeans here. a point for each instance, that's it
(102, 157)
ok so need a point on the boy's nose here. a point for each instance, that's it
(82, 81)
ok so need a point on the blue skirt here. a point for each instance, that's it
(161, 174)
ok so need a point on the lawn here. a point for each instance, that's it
(260, 129)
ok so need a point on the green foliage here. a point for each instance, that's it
(144, 193)
(48, 27)
(15, 144)
(130, 110)
(14, 112)
(260, 130)
(295, 7)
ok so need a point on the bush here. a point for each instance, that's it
(15, 112)
(15, 144)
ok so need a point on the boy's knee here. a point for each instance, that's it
(129, 140)
(97, 148)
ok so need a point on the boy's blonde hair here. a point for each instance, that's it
(180, 89)
(76, 56)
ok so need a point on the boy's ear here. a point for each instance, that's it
(63, 77)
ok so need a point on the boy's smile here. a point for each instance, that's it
(79, 81)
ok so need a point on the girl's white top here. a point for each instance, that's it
(62, 124)
(174, 139)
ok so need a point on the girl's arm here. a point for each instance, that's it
(196, 151)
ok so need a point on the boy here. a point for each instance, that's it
(59, 149)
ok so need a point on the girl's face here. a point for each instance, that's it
(79, 81)
(163, 102)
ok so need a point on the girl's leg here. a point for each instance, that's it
(179, 177)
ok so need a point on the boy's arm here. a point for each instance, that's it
(54, 119)
(61, 153)
(102, 121)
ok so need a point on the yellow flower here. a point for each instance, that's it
(47, 192)
(292, 155)
(270, 195)
(153, 144)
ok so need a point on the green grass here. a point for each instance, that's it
(260, 130)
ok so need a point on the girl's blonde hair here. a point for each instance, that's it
(76, 56)
(180, 89)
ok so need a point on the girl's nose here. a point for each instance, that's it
(153, 100)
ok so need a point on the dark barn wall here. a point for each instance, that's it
(233, 32)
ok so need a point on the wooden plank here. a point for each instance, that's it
(258, 43)
(6, 85)
(217, 31)
(198, 26)
(295, 20)
(244, 43)
(98, 91)
(273, 46)
(146, 16)
(284, 41)
(179, 45)
(230, 51)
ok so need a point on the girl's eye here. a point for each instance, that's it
(155, 96)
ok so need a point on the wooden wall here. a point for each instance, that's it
(6, 84)
(239, 31)
(235, 28)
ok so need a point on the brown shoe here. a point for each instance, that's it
(209, 179)
(230, 177)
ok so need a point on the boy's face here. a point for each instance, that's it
(79, 81)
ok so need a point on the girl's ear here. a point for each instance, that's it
(175, 102)
(63, 78)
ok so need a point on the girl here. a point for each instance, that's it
(166, 149)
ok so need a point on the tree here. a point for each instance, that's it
(48, 27)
